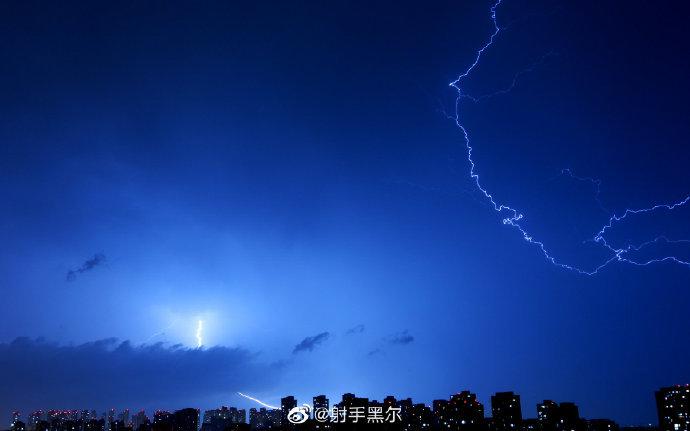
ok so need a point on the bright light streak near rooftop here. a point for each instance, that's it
(257, 401)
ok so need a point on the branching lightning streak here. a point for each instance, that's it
(514, 82)
(513, 216)
(596, 183)
(257, 401)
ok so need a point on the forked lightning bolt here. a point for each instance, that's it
(512, 216)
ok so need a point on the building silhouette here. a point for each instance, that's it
(162, 421)
(124, 417)
(565, 416)
(286, 404)
(506, 411)
(140, 422)
(442, 413)
(34, 418)
(223, 418)
(16, 424)
(264, 419)
(186, 420)
(110, 420)
(418, 417)
(466, 411)
(320, 402)
(547, 415)
(16, 415)
(321, 409)
(673, 408)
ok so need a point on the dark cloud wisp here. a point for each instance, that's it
(355, 330)
(309, 343)
(401, 338)
(375, 352)
(88, 265)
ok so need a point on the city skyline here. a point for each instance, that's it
(505, 412)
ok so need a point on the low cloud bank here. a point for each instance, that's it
(106, 373)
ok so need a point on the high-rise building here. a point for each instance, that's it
(216, 415)
(186, 420)
(347, 399)
(442, 413)
(241, 416)
(255, 418)
(321, 411)
(34, 418)
(506, 411)
(162, 421)
(465, 411)
(547, 415)
(321, 402)
(419, 417)
(356, 408)
(220, 419)
(462, 412)
(673, 408)
(15, 417)
(140, 420)
(273, 417)
(569, 417)
(405, 406)
(286, 404)
(17, 424)
(563, 417)
(264, 419)
(124, 417)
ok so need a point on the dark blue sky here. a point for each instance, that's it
(281, 171)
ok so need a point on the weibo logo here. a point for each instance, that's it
(299, 415)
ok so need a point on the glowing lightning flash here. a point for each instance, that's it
(257, 401)
(513, 216)
(199, 330)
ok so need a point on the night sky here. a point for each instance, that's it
(287, 174)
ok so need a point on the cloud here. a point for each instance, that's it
(104, 373)
(375, 352)
(309, 343)
(88, 265)
(355, 330)
(401, 338)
